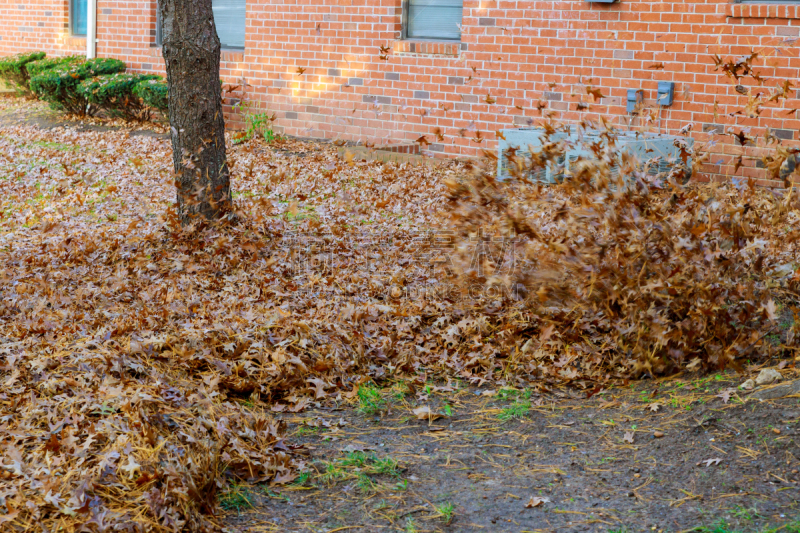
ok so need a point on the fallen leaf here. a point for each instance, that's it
(725, 395)
(536, 501)
(424, 413)
(319, 387)
(131, 467)
(12, 378)
(10, 515)
(771, 310)
(595, 93)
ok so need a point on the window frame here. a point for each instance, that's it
(71, 11)
(159, 38)
(406, 5)
(223, 47)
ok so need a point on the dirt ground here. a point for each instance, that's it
(520, 460)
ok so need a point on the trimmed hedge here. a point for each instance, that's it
(80, 87)
(58, 85)
(154, 93)
(114, 93)
(103, 65)
(14, 69)
(37, 67)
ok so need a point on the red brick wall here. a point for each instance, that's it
(126, 30)
(517, 49)
(37, 25)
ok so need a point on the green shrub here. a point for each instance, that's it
(114, 93)
(154, 93)
(37, 67)
(103, 65)
(59, 84)
(14, 69)
(258, 124)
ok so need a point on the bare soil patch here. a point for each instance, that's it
(520, 460)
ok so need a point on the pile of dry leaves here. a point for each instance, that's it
(136, 361)
(613, 275)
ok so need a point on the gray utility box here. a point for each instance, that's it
(659, 153)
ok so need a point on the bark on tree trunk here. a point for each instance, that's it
(191, 51)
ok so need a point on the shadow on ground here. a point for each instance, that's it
(34, 113)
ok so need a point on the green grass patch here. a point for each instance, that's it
(360, 467)
(235, 498)
(365, 484)
(301, 480)
(370, 400)
(56, 146)
(518, 409)
(520, 405)
(332, 474)
(446, 511)
(411, 526)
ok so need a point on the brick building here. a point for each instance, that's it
(461, 66)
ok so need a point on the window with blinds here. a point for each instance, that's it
(229, 18)
(78, 15)
(433, 19)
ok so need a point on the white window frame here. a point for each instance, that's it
(405, 27)
(160, 33)
(70, 8)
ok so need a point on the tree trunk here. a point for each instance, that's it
(191, 51)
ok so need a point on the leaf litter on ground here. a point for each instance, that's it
(142, 363)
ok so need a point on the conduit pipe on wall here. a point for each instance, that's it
(91, 30)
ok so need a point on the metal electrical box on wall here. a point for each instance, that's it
(635, 99)
(655, 153)
(666, 92)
